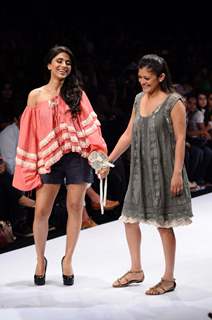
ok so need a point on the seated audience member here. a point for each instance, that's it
(7, 103)
(87, 221)
(198, 136)
(95, 200)
(13, 202)
(208, 117)
(193, 164)
(9, 141)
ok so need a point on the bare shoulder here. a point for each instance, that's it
(33, 97)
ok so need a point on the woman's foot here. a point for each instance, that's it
(67, 273)
(66, 266)
(192, 185)
(88, 223)
(128, 278)
(110, 205)
(162, 287)
(40, 273)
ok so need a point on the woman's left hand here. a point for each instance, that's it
(176, 185)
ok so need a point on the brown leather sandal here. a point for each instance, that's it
(162, 287)
(127, 281)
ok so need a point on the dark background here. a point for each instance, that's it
(181, 34)
(148, 19)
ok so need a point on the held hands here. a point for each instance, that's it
(99, 162)
(102, 173)
(176, 184)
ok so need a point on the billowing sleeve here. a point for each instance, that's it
(26, 175)
(92, 127)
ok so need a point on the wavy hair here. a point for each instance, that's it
(70, 91)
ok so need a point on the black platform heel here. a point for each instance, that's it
(41, 280)
(67, 280)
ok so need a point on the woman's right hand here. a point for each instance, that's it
(176, 185)
(102, 173)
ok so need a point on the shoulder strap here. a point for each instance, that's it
(137, 102)
(172, 100)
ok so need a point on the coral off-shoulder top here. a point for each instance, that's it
(47, 132)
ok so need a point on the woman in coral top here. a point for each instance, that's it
(58, 130)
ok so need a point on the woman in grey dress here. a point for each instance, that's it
(158, 191)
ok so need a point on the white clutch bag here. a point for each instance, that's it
(98, 161)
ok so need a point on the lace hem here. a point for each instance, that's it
(167, 224)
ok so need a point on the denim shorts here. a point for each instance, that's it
(72, 168)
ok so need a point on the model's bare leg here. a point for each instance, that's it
(169, 247)
(45, 197)
(133, 235)
(167, 282)
(75, 201)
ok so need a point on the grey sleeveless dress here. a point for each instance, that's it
(148, 198)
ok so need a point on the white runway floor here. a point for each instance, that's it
(100, 257)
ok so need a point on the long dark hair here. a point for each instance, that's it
(158, 66)
(70, 90)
